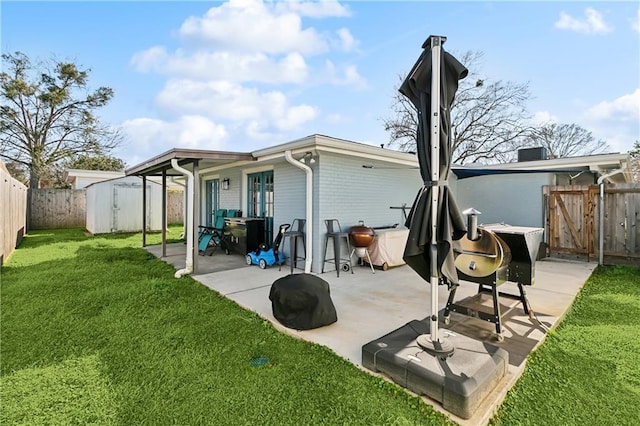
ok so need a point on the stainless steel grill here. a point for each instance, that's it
(500, 254)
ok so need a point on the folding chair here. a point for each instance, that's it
(211, 237)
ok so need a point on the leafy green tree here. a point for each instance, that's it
(85, 162)
(47, 115)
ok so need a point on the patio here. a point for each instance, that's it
(371, 305)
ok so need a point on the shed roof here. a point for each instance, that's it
(186, 158)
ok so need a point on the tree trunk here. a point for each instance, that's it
(34, 183)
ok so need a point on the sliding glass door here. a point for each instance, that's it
(212, 200)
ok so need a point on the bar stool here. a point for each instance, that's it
(334, 231)
(295, 231)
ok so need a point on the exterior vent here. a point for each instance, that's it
(532, 154)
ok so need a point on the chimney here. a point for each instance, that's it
(532, 154)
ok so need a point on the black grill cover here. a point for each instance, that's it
(302, 302)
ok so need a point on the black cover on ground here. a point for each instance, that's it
(302, 302)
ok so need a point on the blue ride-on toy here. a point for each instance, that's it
(265, 256)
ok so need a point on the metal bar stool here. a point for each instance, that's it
(296, 231)
(334, 232)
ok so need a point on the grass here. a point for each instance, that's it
(95, 330)
(588, 370)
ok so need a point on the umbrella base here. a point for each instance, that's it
(442, 348)
(459, 382)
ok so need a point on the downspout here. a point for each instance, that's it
(309, 208)
(601, 213)
(188, 225)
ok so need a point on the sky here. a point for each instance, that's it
(243, 75)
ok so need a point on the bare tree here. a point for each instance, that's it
(566, 140)
(489, 119)
(47, 115)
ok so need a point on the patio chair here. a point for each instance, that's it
(296, 231)
(212, 237)
(334, 232)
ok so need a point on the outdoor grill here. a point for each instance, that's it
(501, 253)
(361, 237)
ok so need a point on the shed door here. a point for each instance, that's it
(127, 208)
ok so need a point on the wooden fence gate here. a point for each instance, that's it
(573, 222)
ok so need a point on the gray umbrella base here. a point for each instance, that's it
(459, 382)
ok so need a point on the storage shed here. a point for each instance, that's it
(115, 205)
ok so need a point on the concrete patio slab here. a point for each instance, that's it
(371, 305)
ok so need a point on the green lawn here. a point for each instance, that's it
(587, 372)
(94, 330)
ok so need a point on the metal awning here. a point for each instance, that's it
(463, 173)
(186, 158)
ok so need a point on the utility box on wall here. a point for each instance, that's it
(116, 206)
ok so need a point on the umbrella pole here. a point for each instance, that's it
(435, 177)
(433, 344)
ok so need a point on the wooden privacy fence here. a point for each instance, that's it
(13, 213)
(573, 222)
(58, 208)
(67, 208)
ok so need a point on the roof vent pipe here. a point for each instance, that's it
(309, 208)
(188, 218)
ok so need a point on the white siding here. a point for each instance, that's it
(514, 199)
(349, 192)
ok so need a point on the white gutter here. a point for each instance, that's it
(188, 219)
(309, 209)
(601, 213)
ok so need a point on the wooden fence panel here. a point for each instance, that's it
(573, 222)
(58, 208)
(13, 213)
(175, 207)
(622, 223)
(572, 219)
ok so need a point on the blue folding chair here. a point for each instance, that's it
(212, 237)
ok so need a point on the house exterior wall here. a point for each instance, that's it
(351, 193)
(101, 206)
(514, 199)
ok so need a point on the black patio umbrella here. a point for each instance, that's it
(435, 219)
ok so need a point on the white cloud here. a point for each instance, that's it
(348, 76)
(150, 136)
(226, 58)
(626, 108)
(315, 9)
(635, 23)
(347, 41)
(223, 65)
(593, 23)
(148, 60)
(231, 101)
(251, 26)
(543, 117)
(617, 121)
